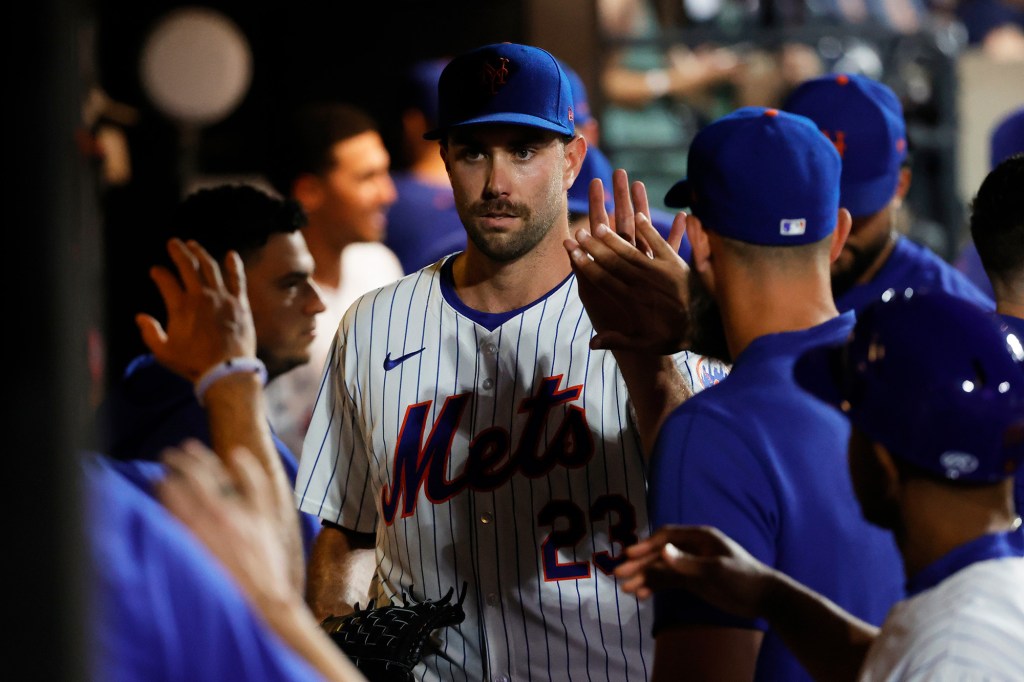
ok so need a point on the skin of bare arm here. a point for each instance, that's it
(208, 322)
(227, 503)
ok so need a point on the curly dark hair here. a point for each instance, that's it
(234, 217)
(997, 219)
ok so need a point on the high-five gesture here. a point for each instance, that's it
(632, 281)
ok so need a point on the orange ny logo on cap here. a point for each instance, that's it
(838, 139)
(497, 75)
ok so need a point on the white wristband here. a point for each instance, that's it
(229, 366)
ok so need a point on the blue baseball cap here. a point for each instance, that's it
(864, 120)
(762, 176)
(936, 380)
(423, 78)
(580, 101)
(1007, 138)
(504, 83)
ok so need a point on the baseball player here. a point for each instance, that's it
(935, 392)
(152, 408)
(756, 456)
(466, 421)
(864, 119)
(997, 228)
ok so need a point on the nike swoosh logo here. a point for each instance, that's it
(390, 364)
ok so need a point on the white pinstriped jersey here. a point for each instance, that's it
(505, 459)
(968, 627)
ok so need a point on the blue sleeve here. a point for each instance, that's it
(703, 473)
(164, 609)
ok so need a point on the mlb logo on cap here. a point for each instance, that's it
(793, 227)
(504, 83)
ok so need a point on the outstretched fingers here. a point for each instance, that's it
(624, 212)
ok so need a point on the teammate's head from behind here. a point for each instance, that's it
(997, 227)
(278, 266)
(331, 159)
(763, 189)
(864, 120)
(505, 125)
(934, 390)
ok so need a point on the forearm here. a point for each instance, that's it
(828, 641)
(237, 416)
(656, 387)
(340, 569)
(297, 627)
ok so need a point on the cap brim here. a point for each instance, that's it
(679, 195)
(503, 118)
(817, 371)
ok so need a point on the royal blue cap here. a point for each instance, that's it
(762, 176)
(504, 83)
(936, 380)
(423, 79)
(1007, 138)
(864, 120)
(580, 100)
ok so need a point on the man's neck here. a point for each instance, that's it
(493, 287)
(937, 519)
(1009, 296)
(754, 309)
(880, 261)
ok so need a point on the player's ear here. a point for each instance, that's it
(699, 244)
(308, 190)
(840, 234)
(575, 152)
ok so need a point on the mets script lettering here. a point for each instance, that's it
(492, 461)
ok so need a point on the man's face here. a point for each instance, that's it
(868, 238)
(357, 190)
(509, 185)
(284, 301)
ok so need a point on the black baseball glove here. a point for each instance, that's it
(386, 642)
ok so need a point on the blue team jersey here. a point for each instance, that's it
(153, 408)
(423, 225)
(162, 609)
(765, 462)
(911, 265)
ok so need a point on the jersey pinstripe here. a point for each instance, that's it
(505, 459)
(968, 627)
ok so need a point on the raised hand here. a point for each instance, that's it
(632, 281)
(208, 315)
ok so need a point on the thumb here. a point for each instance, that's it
(152, 332)
(678, 560)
